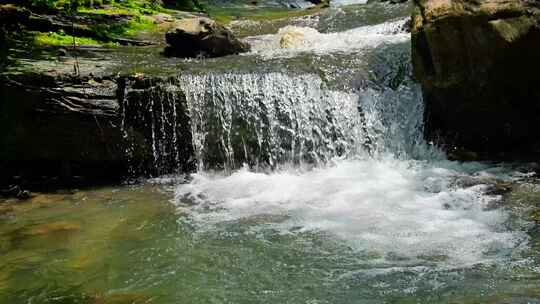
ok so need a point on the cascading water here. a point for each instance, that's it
(334, 151)
(270, 119)
(375, 184)
(366, 187)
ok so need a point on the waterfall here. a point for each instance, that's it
(270, 119)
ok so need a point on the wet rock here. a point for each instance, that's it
(51, 123)
(201, 36)
(62, 52)
(536, 215)
(11, 15)
(477, 63)
(323, 3)
(162, 18)
(500, 188)
(461, 154)
(525, 199)
(15, 191)
(65, 130)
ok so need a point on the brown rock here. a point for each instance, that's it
(202, 37)
(478, 64)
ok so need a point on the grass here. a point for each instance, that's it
(59, 39)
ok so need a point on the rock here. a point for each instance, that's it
(322, 3)
(15, 191)
(292, 37)
(500, 188)
(11, 15)
(202, 37)
(461, 154)
(62, 52)
(478, 64)
(59, 129)
(162, 18)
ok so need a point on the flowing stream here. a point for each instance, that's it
(313, 185)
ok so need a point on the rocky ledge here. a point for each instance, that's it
(63, 129)
(478, 63)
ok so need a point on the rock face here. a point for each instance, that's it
(479, 66)
(58, 127)
(202, 37)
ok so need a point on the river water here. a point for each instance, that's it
(314, 185)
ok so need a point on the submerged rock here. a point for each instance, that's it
(478, 64)
(201, 36)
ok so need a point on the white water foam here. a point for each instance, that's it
(407, 210)
(336, 3)
(291, 40)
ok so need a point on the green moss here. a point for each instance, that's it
(59, 39)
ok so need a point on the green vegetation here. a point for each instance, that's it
(60, 39)
(106, 19)
(129, 28)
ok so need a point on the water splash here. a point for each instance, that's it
(293, 40)
(377, 186)
(399, 213)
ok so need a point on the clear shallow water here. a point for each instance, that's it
(401, 213)
(354, 232)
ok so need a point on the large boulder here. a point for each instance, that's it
(54, 128)
(479, 66)
(201, 36)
